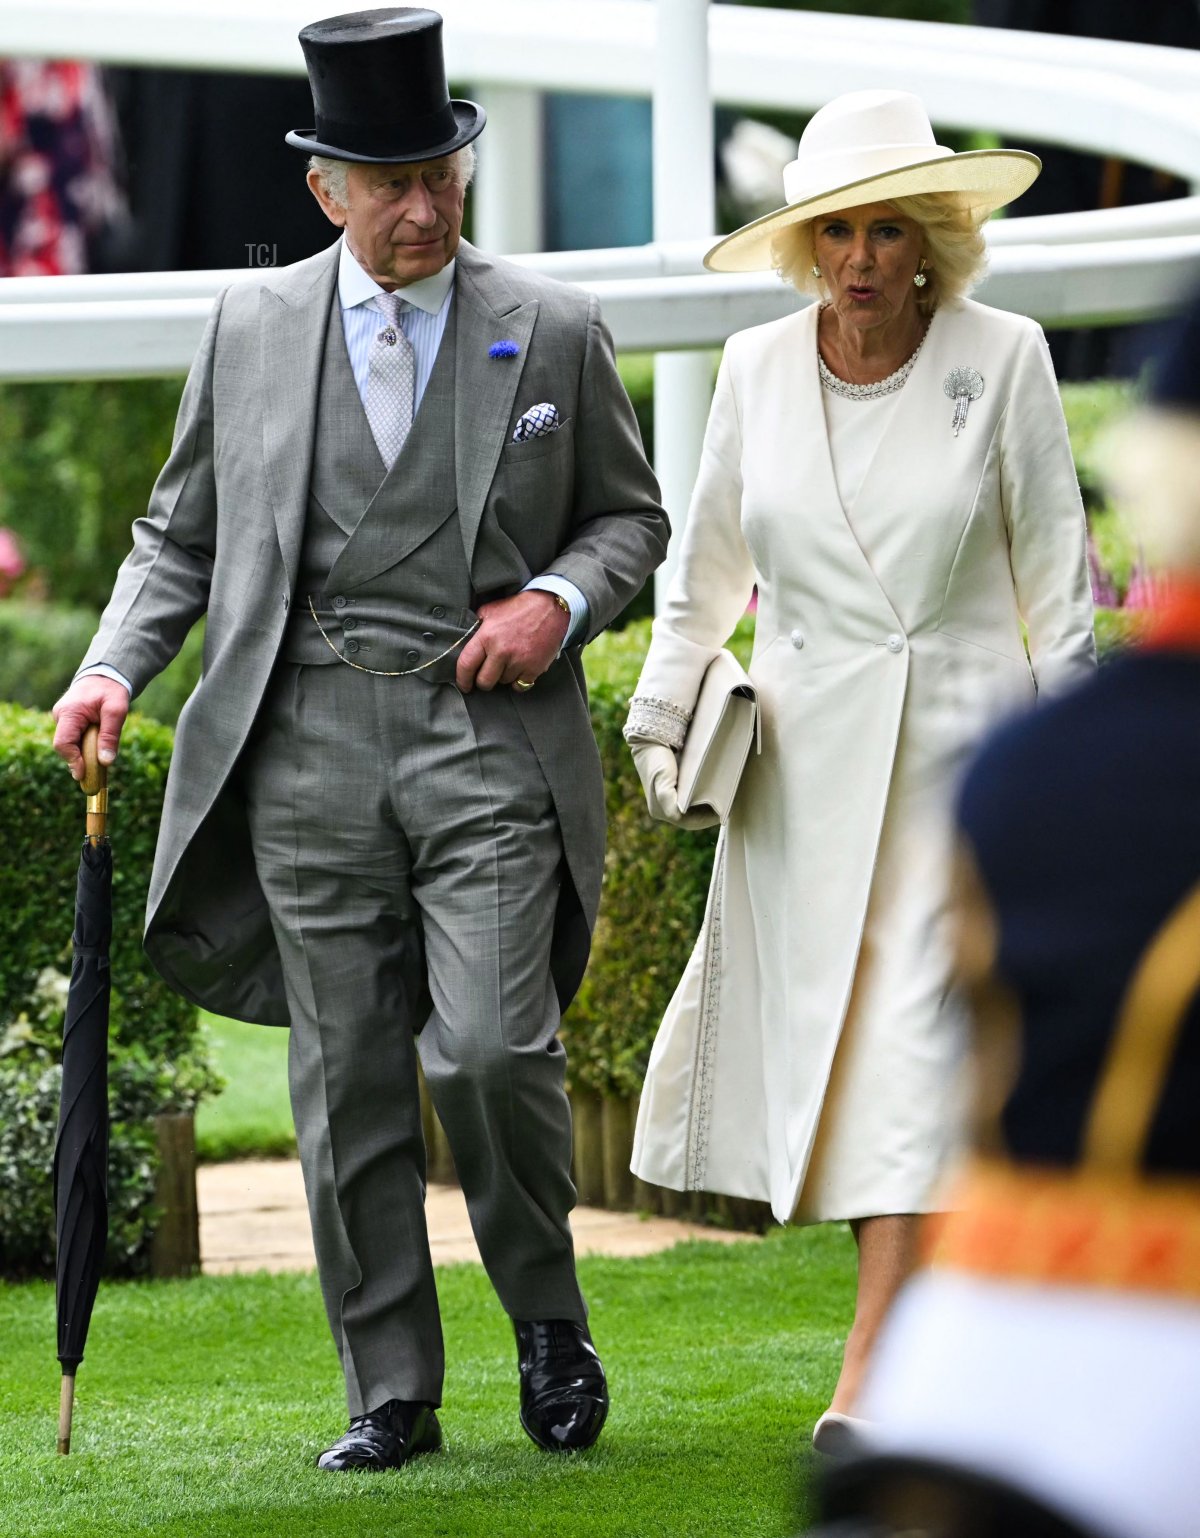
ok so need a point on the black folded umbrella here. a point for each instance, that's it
(81, 1148)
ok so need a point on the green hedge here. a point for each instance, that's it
(77, 461)
(157, 1057)
(40, 648)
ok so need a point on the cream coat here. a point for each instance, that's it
(878, 670)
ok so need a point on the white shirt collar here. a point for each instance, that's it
(355, 286)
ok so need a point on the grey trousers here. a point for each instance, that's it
(391, 817)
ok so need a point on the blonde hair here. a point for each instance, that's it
(951, 235)
(333, 172)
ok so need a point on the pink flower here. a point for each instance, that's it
(1144, 590)
(12, 562)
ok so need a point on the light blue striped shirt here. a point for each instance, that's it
(423, 322)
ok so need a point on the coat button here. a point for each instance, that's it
(351, 646)
(428, 635)
(438, 611)
(412, 656)
(339, 602)
(797, 639)
(895, 643)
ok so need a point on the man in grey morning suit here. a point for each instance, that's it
(384, 822)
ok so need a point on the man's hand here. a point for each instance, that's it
(517, 641)
(92, 699)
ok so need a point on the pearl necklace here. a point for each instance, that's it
(869, 392)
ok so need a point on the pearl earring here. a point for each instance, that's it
(919, 278)
(816, 271)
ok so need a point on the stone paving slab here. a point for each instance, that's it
(253, 1217)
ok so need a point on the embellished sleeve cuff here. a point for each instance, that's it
(654, 720)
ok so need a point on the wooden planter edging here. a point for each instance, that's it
(175, 1247)
(603, 1144)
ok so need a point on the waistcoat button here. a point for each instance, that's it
(438, 611)
(797, 639)
(412, 656)
(895, 643)
(351, 646)
(339, 602)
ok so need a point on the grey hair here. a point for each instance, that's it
(333, 172)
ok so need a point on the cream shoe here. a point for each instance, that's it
(841, 1436)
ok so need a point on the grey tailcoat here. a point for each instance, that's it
(222, 536)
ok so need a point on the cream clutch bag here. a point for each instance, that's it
(723, 728)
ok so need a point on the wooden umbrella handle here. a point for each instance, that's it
(94, 784)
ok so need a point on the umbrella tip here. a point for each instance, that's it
(66, 1411)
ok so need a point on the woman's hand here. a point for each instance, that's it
(658, 770)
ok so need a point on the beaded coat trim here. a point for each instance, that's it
(654, 720)
(706, 1040)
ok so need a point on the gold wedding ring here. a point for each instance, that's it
(524, 684)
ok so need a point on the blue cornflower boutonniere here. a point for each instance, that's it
(503, 350)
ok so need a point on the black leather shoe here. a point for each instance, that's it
(564, 1396)
(386, 1438)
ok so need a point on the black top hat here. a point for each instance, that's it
(379, 89)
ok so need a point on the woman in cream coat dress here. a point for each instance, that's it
(891, 470)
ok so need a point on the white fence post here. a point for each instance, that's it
(508, 189)
(683, 209)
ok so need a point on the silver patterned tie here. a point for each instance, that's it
(390, 383)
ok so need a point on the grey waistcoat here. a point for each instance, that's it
(382, 555)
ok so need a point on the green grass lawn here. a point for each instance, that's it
(251, 1117)
(202, 1404)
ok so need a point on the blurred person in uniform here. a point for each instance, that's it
(1042, 1374)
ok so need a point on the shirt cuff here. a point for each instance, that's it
(102, 670)
(551, 582)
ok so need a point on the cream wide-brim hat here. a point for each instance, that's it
(871, 147)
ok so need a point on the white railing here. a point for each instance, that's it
(96, 334)
(92, 332)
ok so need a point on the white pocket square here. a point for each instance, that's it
(538, 422)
